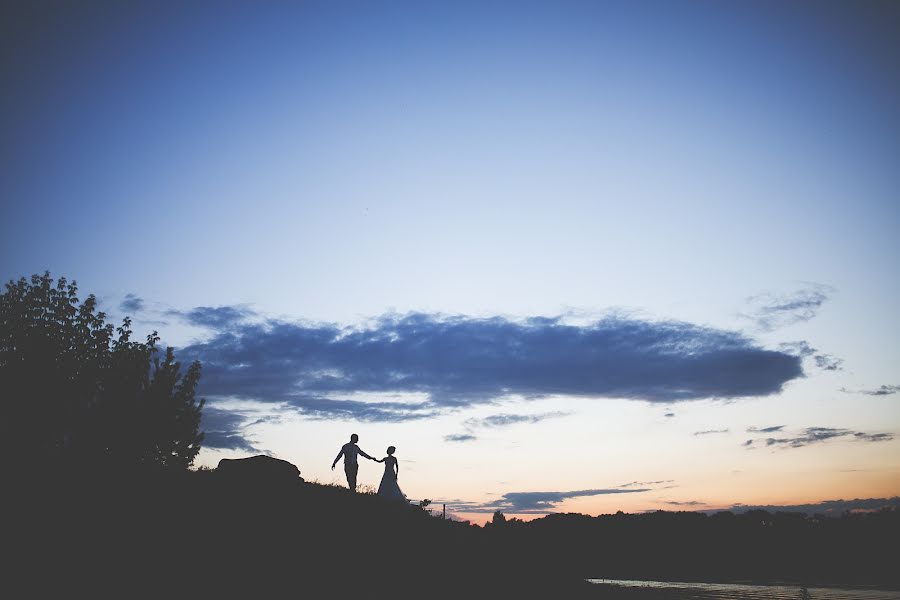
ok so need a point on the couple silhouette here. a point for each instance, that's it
(389, 488)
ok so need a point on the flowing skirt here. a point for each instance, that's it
(389, 488)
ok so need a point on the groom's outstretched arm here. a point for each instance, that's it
(337, 458)
(367, 456)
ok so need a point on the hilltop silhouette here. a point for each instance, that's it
(218, 533)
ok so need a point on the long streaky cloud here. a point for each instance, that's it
(502, 420)
(460, 437)
(454, 362)
(884, 390)
(816, 435)
(538, 502)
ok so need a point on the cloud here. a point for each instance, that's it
(710, 431)
(455, 362)
(459, 437)
(132, 304)
(645, 483)
(828, 507)
(391, 412)
(771, 429)
(502, 420)
(826, 362)
(537, 502)
(885, 390)
(214, 317)
(814, 435)
(669, 414)
(776, 311)
(873, 437)
(224, 430)
(686, 503)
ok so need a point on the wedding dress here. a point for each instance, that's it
(389, 488)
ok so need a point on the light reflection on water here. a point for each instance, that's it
(735, 591)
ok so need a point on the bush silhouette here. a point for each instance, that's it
(75, 391)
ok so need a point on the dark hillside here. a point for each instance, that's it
(204, 533)
(200, 533)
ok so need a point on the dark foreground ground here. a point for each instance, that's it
(201, 534)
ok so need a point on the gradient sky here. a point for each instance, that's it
(566, 256)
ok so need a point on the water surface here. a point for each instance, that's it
(736, 591)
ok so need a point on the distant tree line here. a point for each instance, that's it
(77, 391)
(855, 548)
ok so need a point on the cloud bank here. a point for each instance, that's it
(454, 362)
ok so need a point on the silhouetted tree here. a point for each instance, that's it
(498, 519)
(71, 390)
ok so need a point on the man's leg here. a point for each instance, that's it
(350, 470)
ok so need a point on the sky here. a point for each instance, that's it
(565, 256)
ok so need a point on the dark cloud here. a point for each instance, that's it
(459, 437)
(669, 414)
(885, 390)
(214, 317)
(459, 361)
(771, 429)
(537, 502)
(814, 435)
(224, 430)
(132, 304)
(686, 503)
(773, 311)
(828, 507)
(503, 420)
(710, 431)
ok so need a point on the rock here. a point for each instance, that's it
(260, 469)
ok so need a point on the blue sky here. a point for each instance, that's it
(532, 182)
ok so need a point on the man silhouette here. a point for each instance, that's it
(349, 452)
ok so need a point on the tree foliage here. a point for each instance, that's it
(74, 389)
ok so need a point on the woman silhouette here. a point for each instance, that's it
(389, 488)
